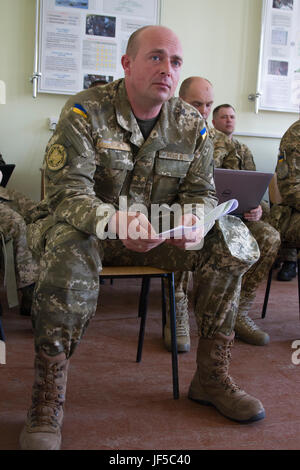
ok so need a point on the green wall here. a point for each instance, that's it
(220, 41)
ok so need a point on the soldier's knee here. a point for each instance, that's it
(268, 238)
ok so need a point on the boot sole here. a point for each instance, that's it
(25, 444)
(253, 343)
(257, 417)
(180, 350)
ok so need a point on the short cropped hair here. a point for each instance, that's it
(133, 42)
(217, 109)
(184, 88)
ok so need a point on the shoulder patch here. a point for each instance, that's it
(203, 132)
(56, 157)
(78, 109)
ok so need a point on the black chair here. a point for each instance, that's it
(267, 293)
(2, 336)
(275, 198)
(146, 273)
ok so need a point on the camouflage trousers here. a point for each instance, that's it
(67, 291)
(13, 211)
(292, 235)
(287, 221)
(268, 240)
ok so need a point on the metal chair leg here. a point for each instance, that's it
(2, 335)
(298, 274)
(173, 335)
(266, 299)
(143, 305)
(163, 306)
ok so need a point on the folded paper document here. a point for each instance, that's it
(209, 219)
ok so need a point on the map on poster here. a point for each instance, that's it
(279, 67)
(81, 41)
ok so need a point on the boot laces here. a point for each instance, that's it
(48, 397)
(182, 326)
(248, 322)
(182, 317)
(222, 365)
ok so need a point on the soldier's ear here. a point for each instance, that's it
(126, 63)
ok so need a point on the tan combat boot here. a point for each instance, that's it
(212, 385)
(246, 330)
(182, 327)
(42, 430)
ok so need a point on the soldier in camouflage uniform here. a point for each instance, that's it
(268, 239)
(288, 255)
(285, 216)
(228, 153)
(198, 92)
(15, 209)
(131, 139)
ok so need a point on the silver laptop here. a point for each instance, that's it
(248, 187)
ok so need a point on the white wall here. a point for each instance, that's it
(220, 41)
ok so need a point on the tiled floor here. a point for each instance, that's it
(113, 403)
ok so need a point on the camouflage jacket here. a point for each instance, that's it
(4, 194)
(237, 156)
(288, 167)
(288, 179)
(223, 146)
(98, 154)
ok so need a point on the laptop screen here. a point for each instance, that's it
(248, 187)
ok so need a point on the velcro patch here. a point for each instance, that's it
(78, 109)
(113, 145)
(56, 157)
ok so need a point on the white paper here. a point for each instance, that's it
(216, 213)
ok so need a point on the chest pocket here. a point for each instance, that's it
(169, 169)
(112, 167)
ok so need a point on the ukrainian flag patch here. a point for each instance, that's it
(77, 108)
(280, 158)
(203, 132)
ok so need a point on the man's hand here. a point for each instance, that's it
(254, 215)
(135, 231)
(191, 239)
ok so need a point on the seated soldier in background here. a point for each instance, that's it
(198, 92)
(228, 153)
(285, 216)
(15, 209)
(268, 239)
(225, 123)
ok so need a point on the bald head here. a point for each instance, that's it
(152, 66)
(137, 36)
(198, 92)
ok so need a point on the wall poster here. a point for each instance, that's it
(84, 40)
(279, 67)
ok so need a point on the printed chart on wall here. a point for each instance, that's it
(279, 68)
(83, 40)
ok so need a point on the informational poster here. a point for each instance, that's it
(279, 68)
(83, 40)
